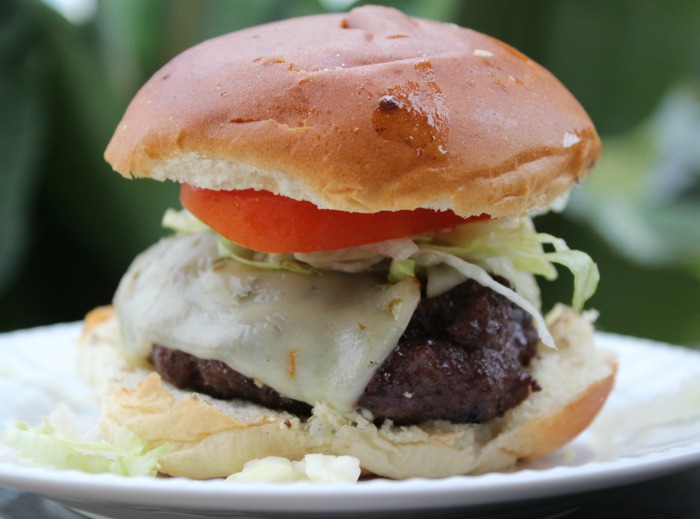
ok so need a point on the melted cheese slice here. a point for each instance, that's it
(313, 338)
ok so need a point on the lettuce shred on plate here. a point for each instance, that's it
(316, 468)
(47, 445)
(508, 247)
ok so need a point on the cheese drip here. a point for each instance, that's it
(313, 338)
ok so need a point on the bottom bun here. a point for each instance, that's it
(211, 438)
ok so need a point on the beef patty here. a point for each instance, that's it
(462, 358)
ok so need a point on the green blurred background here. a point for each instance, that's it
(69, 226)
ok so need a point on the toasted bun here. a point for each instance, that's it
(362, 112)
(211, 438)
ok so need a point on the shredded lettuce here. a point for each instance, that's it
(352, 259)
(478, 274)
(508, 247)
(401, 269)
(317, 468)
(127, 455)
(511, 248)
(585, 271)
(183, 221)
(230, 250)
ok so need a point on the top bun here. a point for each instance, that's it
(366, 111)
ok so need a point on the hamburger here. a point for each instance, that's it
(353, 272)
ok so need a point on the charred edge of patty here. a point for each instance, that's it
(463, 358)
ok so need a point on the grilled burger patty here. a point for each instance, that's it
(462, 358)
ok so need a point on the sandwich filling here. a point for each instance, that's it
(408, 331)
(462, 358)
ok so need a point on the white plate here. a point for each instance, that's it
(650, 427)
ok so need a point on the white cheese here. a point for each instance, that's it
(313, 338)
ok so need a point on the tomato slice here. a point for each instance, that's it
(267, 222)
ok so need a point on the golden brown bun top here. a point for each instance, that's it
(365, 111)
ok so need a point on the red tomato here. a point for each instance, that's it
(266, 222)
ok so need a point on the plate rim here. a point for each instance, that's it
(377, 495)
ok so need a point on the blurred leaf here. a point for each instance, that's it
(619, 58)
(97, 207)
(58, 112)
(641, 300)
(644, 196)
(23, 65)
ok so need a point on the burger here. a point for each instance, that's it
(353, 270)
